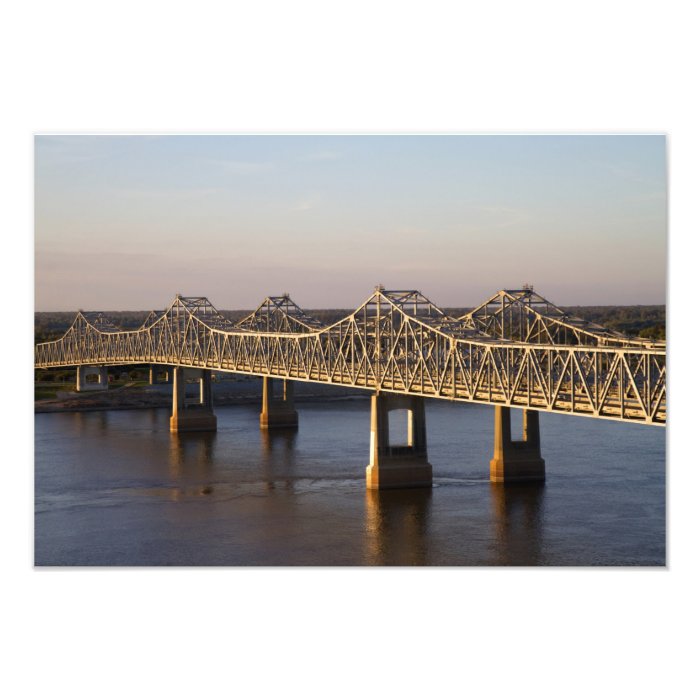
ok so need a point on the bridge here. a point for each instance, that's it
(516, 350)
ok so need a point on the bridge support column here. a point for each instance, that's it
(83, 372)
(189, 416)
(404, 466)
(154, 372)
(278, 411)
(516, 460)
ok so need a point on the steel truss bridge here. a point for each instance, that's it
(516, 349)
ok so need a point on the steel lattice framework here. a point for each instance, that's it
(525, 316)
(515, 350)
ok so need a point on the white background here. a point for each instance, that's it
(320, 67)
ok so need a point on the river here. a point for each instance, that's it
(116, 488)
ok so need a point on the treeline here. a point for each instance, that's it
(644, 321)
(51, 325)
(634, 321)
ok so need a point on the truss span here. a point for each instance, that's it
(396, 342)
(525, 316)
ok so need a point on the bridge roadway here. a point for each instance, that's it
(517, 350)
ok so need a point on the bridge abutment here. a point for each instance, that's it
(404, 466)
(188, 415)
(516, 460)
(84, 371)
(278, 411)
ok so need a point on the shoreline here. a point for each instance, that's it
(73, 405)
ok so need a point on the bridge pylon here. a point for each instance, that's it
(516, 460)
(404, 466)
(278, 411)
(192, 416)
(84, 371)
(155, 371)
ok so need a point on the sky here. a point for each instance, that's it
(127, 222)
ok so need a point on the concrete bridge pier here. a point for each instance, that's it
(84, 371)
(516, 460)
(278, 411)
(402, 466)
(154, 372)
(192, 415)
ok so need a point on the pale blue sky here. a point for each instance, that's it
(128, 222)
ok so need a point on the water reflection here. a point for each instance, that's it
(517, 522)
(279, 438)
(156, 419)
(79, 422)
(278, 456)
(396, 524)
(103, 422)
(84, 422)
(190, 463)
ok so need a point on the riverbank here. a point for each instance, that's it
(231, 393)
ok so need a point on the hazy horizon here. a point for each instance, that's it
(247, 309)
(127, 222)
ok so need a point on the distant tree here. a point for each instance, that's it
(655, 332)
